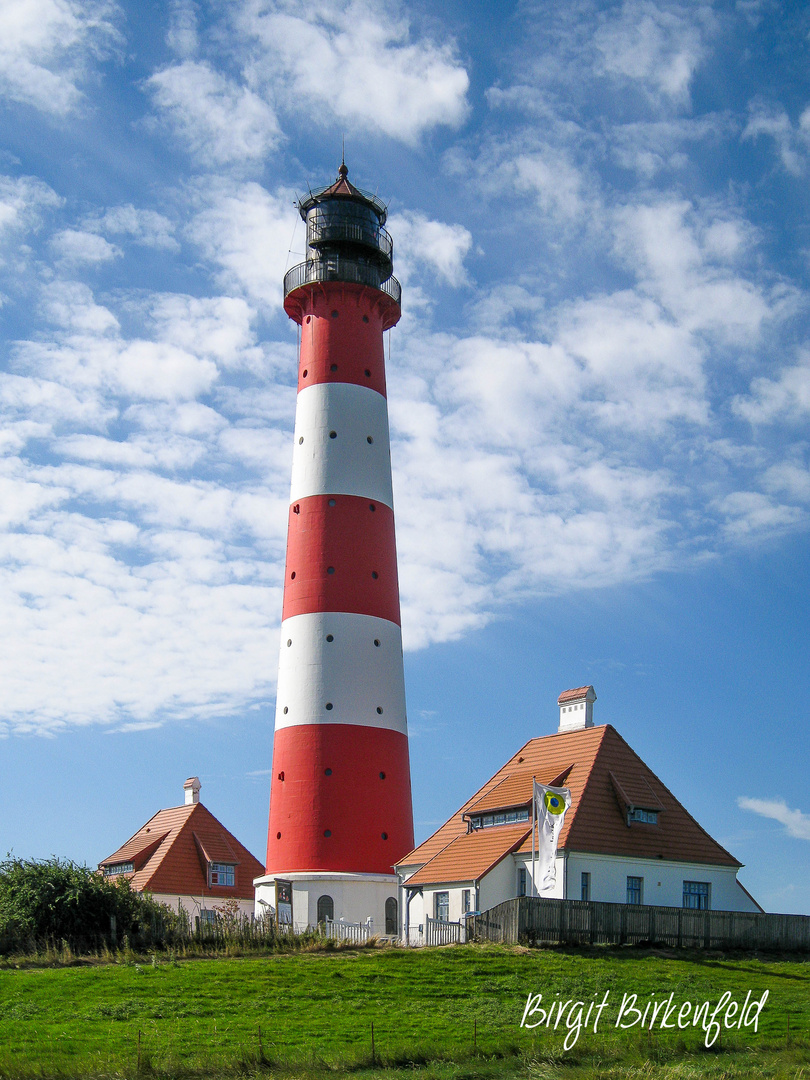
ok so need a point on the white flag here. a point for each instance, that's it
(550, 804)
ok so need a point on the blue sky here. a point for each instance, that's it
(599, 394)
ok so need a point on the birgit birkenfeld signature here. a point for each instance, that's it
(574, 1017)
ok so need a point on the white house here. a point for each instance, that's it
(625, 837)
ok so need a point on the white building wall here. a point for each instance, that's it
(662, 881)
(356, 898)
(194, 904)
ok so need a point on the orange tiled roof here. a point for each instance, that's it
(469, 857)
(573, 695)
(187, 837)
(597, 820)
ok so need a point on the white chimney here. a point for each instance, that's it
(192, 789)
(576, 709)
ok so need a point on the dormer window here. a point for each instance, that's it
(639, 814)
(118, 868)
(222, 874)
(499, 817)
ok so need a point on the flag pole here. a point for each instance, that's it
(534, 820)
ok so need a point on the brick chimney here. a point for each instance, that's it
(192, 790)
(576, 709)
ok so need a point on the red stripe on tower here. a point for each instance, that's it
(340, 795)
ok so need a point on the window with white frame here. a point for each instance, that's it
(208, 918)
(638, 813)
(441, 901)
(635, 890)
(118, 868)
(696, 895)
(585, 885)
(499, 817)
(521, 884)
(223, 874)
(465, 901)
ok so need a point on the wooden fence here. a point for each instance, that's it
(534, 919)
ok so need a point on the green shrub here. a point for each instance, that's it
(58, 901)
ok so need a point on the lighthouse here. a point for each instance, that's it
(340, 796)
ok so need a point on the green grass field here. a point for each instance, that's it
(452, 1012)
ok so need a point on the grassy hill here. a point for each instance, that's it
(452, 1012)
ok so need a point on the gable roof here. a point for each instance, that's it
(470, 856)
(171, 852)
(606, 779)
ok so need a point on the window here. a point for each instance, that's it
(521, 881)
(465, 901)
(585, 885)
(118, 868)
(222, 874)
(391, 915)
(696, 895)
(441, 901)
(638, 814)
(635, 887)
(208, 918)
(500, 817)
(326, 909)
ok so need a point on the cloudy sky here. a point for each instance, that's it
(599, 393)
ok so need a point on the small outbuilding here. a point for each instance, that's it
(187, 859)
(624, 839)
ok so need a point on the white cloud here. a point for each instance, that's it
(145, 227)
(219, 121)
(792, 141)
(357, 62)
(182, 35)
(440, 247)
(656, 46)
(796, 823)
(246, 231)
(46, 47)
(785, 398)
(74, 246)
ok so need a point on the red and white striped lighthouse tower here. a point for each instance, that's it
(340, 800)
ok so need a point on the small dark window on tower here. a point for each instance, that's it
(374, 574)
(376, 643)
(379, 709)
(292, 576)
(369, 439)
(278, 836)
(333, 367)
(327, 832)
(330, 637)
(329, 706)
(332, 434)
(285, 710)
(331, 502)
(372, 507)
(327, 772)
(309, 318)
(304, 373)
(330, 569)
(281, 776)
(334, 314)
(300, 440)
(385, 836)
(289, 642)
(382, 775)
(368, 373)
(365, 318)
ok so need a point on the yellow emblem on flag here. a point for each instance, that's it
(554, 804)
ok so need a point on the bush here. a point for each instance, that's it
(57, 901)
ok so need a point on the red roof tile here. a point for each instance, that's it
(574, 695)
(597, 819)
(188, 837)
(469, 857)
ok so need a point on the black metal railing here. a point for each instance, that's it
(353, 232)
(337, 269)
